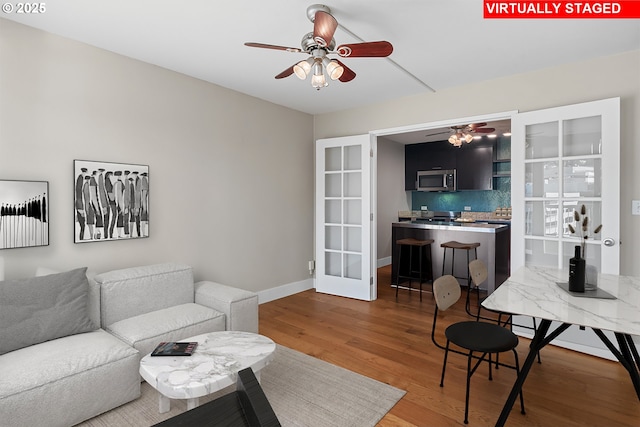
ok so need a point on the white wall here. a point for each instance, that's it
(231, 181)
(391, 196)
(607, 77)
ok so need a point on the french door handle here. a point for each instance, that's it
(609, 242)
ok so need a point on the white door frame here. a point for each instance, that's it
(422, 127)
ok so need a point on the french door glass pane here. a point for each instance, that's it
(333, 211)
(333, 237)
(353, 266)
(333, 185)
(582, 178)
(541, 252)
(333, 159)
(541, 140)
(352, 184)
(353, 239)
(594, 215)
(592, 253)
(582, 136)
(541, 179)
(333, 264)
(541, 218)
(353, 157)
(353, 212)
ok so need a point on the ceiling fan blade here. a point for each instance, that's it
(348, 74)
(473, 126)
(371, 49)
(483, 130)
(285, 73)
(272, 46)
(324, 26)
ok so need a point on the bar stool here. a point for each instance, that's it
(420, 244)
(453, 245)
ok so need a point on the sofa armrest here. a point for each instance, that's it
(239, 306)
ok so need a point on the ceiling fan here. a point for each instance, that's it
(319, 44)
(464, 133)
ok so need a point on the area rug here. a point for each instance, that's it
(303, 391)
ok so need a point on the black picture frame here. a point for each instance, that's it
(111, 201)
(24, 214)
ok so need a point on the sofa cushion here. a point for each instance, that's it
(132, 291)
(65, 381)
(40, 309)
(94, 292)
(146, 331)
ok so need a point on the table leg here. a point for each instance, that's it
(192, 403)
(626, 354)
(629, 352)
(536, 344)
(164, 403)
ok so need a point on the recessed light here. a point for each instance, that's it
(493, 135)
(506, 134)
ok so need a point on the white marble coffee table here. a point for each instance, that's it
(212, 367)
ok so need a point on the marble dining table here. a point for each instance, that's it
(538, 292)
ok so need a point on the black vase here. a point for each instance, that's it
(577, 272)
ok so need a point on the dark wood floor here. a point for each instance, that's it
(390, 341)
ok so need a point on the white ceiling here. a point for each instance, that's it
(442, 43)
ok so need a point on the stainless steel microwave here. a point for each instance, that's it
(436, 180)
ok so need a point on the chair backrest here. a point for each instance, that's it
(478, 272)
(446, 291)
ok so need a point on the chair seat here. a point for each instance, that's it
(481, 336)
(457, 245)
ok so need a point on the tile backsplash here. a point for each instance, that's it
(479, 201)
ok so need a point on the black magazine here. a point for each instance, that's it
(175, 349)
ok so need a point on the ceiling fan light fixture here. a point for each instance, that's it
(468, 138)
(455, 140)
(318, 80)
(302, 69)
(334, 69)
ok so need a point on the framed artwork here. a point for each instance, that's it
(24, 214)
(111, 201)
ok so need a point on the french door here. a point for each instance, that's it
(563, 158)
(344, 217)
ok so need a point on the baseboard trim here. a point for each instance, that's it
(383, 262)
(284, 290)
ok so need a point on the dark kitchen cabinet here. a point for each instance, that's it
(475, 167)
(473, 162)
(425, 157)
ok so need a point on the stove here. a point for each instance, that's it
(441, 216)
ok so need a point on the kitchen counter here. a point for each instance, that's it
(477, 227)
(494, 249)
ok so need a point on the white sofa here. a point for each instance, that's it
(67, 379)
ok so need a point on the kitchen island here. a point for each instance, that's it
(494, 249)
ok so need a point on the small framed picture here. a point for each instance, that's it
(24, 214)
(111, 201)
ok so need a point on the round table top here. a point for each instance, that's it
(212, 367)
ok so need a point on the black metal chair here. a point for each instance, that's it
(473, 336)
